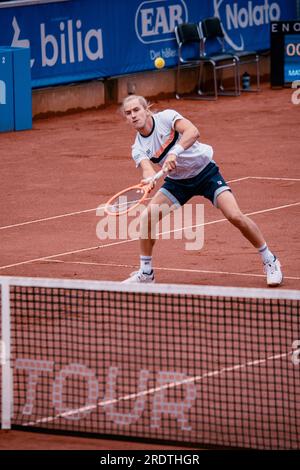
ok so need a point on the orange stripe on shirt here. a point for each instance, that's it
(165, 144)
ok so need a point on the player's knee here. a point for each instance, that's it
(145, 217)
(145, 223)
(236, 218)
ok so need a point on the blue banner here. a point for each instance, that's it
(79, 40)
(291, 58)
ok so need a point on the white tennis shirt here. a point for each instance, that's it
(156, 146)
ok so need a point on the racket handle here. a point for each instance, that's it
(156, 177)
(159, 174)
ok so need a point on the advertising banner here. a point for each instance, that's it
(78, 40)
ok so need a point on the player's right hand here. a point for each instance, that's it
(149, 181)
(151, 184)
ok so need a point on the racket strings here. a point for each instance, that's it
(125, 201)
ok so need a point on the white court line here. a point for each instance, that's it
(47, 218)
(69, 214)
(77, 212)
(151, 391)
(108, 245)
(238, 179)
(181, 270)
(273, 178)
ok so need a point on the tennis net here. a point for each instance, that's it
(202, 365)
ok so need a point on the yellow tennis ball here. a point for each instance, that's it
(159, 62)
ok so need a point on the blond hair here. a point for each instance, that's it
(143, 102)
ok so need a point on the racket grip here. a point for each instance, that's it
(159, 174)
(155, 177)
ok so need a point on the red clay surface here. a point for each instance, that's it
(72, 164)
(19, 440)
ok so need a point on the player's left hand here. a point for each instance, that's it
(170, 163)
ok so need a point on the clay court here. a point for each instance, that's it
(55, 176)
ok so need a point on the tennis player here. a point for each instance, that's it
(169, 140)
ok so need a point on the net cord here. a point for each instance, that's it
(185, 289)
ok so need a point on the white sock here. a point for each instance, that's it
(266, 254)
(146, 264)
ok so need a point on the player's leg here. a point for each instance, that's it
(159, 207)
(227, 203)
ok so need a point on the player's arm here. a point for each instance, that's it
(147, 170)
(189, 135)
(189, 132)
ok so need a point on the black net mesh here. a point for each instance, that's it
(197, 369)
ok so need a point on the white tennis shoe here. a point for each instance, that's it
(273, 272)
(139, 276)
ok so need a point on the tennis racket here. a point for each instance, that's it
(128, 199)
